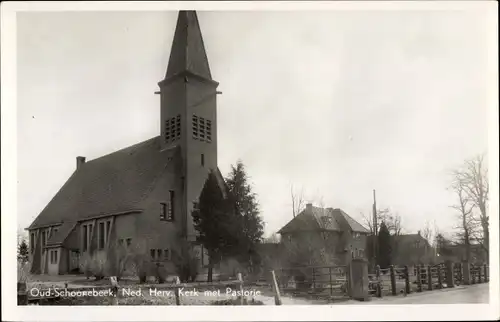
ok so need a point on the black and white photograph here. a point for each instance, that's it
(283, 155)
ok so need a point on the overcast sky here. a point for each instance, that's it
(337, 102)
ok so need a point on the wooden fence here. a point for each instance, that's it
(396, 280)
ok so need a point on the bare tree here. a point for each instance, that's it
(473, 178)
(464, 207)
(297, 201)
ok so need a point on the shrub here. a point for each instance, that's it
(139, 260)
(118, 257)
(99, 264)
(85, 264)
(22, 272)
(185, 263)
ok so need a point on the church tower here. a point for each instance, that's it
(189, 112)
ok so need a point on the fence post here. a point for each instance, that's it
(450, 274)
(313, 284)
(240, 280)
(393, 280)
(419, 278)
(330, 273)
(460, 273)
(479, 275)
(440, 277)
(407, 280)
(473, 274)
(277, 296)
(429, 277)
(466, 273)
(177, 291)
(377, 276)
(486, 277)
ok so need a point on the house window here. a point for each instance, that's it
(32, 243)
(166, 253)
(202, 129)
(202, 160)
(159, 254)
(101, 235)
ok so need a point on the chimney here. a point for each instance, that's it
(309, 207)
(79, 162)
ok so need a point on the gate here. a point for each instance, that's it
(329, 282)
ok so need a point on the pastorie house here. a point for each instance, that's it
(145, 192)
(332, 229)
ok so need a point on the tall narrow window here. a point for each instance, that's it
(159, 254)
(32, 243)
(129, 241)
(163, 211)
(202, 129)
(202, 160)
(171, 213)
(152, 251)
(101, 235)
(84, 235)
(209, 131)
(106, 235)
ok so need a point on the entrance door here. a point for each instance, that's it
(74, 257)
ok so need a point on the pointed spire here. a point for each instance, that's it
(188, 51)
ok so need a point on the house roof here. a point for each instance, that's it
(114, 183)
(411, 239)
(322, 219)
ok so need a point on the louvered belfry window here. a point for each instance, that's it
(202, 129)
(173, 129)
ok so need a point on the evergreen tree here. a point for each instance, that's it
(213, 221)
(384, 253)
(22, 251)
(248, 224)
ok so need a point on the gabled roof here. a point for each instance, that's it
(411, 239)
(62, 233)
(114, 183)
(322, 219)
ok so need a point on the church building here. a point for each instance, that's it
(145, 192)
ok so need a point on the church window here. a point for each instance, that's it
(53, 256)
(202, 129)
(163, 214)
(170, 213)
(44, 238)
(173, 129)
(101, 235)
(209, 131)
(85, 246)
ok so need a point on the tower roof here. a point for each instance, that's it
(188, 51)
